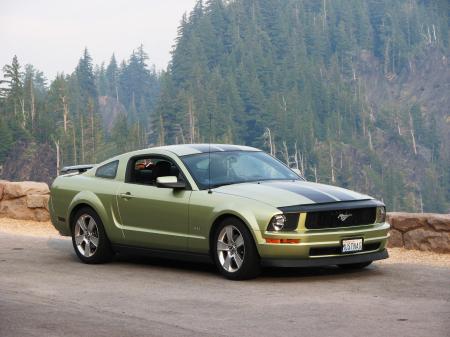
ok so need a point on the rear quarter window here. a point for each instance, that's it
(108, 170)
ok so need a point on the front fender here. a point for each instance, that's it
(206, 209)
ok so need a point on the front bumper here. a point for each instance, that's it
(326, 261)
(322, 244)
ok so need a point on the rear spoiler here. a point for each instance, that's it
(76, 168)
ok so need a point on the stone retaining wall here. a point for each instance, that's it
(27, 200)
(421, 231)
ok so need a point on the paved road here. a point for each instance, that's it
(45, 291)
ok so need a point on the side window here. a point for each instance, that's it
(108, 170)
(145, 170)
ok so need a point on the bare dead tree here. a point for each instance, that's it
(181, 133)
(333, 178)
(296, 159)
(82, 139)
(24, 114)
(285, 153)
(162, 135)
(57, 157)
(65, 112)
(74, 145)
(191, 118)
(268, 141)
(411, 128)
(32, 104)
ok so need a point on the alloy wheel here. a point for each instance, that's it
(230, 248)
(86, 235)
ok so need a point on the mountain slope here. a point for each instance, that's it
(353, 92)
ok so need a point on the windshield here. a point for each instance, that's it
(234, 167)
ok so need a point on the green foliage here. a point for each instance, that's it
(291, 76)
(293, 67)
(67, 113)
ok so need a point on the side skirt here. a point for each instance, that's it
(163, 253)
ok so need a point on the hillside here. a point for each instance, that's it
(354, 93)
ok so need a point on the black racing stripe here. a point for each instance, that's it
(307, 192)
(204, 147)
(341, 195)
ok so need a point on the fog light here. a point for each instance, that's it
(277, 223)
(381, 214)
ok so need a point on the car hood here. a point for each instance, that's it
(289, 193)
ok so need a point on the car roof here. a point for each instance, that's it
(188, 149)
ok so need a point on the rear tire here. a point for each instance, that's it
(89, 238)
(234, 250)
(355, 265)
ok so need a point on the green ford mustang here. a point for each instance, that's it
(234, 205)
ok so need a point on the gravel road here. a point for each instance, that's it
(45, 291)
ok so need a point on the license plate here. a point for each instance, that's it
(352, 245)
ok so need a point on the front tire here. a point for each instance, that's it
(355, 266)
(89, 238)
(234, 250)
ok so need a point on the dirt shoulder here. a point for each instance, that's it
(397, 255)
(27, 227)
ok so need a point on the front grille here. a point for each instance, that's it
(341, 218)
(336, 250)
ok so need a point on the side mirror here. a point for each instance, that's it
(170, 182)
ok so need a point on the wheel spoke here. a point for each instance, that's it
(239, 241)
(238, 260)
(222, 246)
(79, 239)
(226, 263)
(94, 241)
(91, 225)
(82, 224)
(87, 249)
(229, 230)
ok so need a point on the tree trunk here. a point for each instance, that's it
(57, 157)
(65, 113)
(411, 127)
(33, 106)
(333, 179)
(82, 140)
(74, 146)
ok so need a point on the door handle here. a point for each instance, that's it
(126, 195)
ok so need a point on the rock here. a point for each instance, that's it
(405, 222)
(2, 187)
(41, 214)
(37, 201)
(439, 222)
(395, 239)
(13, 190)
(427, 240)
(16, 209)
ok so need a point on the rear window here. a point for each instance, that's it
(108, 171)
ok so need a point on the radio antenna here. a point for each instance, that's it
(209, 153)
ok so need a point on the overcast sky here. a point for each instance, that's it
(52, 34)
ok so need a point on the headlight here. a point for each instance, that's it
(381, 214)
(277, 223)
